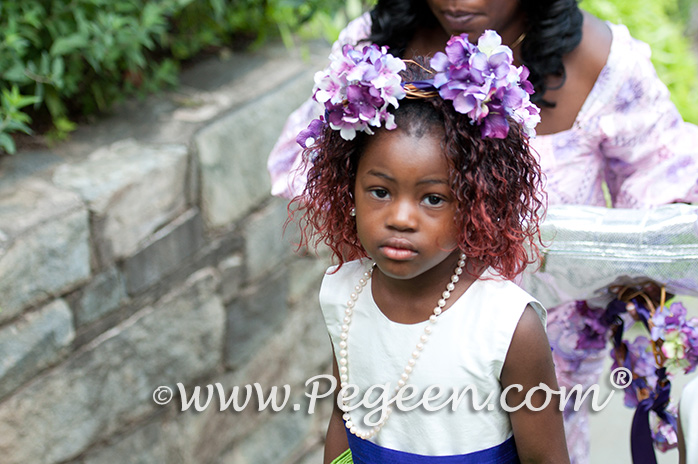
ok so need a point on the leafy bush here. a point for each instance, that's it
(63, 59)
(662, 24)
(60, 60)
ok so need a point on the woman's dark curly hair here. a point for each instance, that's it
(496, 184)
(553, 29)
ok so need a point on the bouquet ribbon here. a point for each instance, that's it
(641, 443)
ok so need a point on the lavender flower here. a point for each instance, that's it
(668, 320)
(358, 88)
(309, 136)
(690, 337)
(640, 360)
(678, 337)
(483, 83)
(663, 433)
(593, 331)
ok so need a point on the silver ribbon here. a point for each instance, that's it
(590, 248)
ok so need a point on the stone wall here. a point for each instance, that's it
(147, 252)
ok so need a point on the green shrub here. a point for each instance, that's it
(662, 24)
(61, 60)
(64, 59)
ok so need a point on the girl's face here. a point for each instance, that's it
(475, 16)
(404, 207)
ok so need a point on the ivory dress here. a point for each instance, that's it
(467, 348)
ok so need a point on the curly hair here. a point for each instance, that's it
(496, 184)
(554, 28)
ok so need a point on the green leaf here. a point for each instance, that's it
(7, 144)
(16, 74)
(218, 7)
(54, 104)
(15, 100)
(152, 15)
(69, 44)
(14, 125)
(64, 124)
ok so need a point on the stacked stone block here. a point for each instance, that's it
(150, 254)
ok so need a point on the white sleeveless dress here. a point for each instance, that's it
(468, 347)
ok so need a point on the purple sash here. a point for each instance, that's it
(366, 452)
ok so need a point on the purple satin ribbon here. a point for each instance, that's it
(641, 443)
(422, 85)
(367, 452)
(612, 318)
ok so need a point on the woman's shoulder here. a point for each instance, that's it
(607, 58)
(611, 46)
(590, 57)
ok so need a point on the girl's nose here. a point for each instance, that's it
(403, 216)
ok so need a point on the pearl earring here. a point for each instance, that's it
(352, 212)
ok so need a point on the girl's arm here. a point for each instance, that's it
(539, 435)
(336, 439)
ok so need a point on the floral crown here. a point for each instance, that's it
(358, 88)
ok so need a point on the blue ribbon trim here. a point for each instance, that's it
(366, 452)
(427, 85)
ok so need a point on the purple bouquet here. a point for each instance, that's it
(672, 346)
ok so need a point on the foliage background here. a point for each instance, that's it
(663, 24)
(62, 60)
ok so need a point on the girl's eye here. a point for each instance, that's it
(433, 200)
(379, 193)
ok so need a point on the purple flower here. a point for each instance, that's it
(358, 88)
(667, 320)
(677, 336)
(640, 360)
(309, 136)
(593, 332)
(483, 83)
(664, 434)
(689, 333)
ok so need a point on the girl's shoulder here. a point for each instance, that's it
(339, 281)
(503, 299)
(337, 286)
(347, 269)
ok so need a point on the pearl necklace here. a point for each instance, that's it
(344, 338)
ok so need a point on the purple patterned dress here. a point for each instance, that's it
(627, 133)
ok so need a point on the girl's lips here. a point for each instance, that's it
(397, 254)
(398, 249)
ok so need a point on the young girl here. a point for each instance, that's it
(430, 204)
